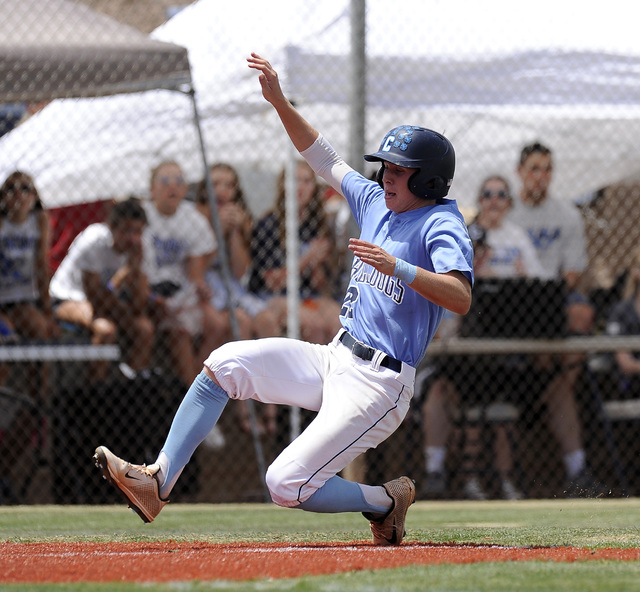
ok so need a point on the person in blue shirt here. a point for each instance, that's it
(412, 261)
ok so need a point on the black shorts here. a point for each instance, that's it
(482, 379)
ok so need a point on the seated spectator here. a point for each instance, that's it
(100, 285)
(179, 247)
(501, 249)
(255, 319)
(557, 231)
(624, 319)
(318, 310)
(24, 273)
(25, 305)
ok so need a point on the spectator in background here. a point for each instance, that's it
(501, 249)
(511, 252)
(179, 247)
(624, 319)
(24, 273)
(255, 319)
(100, 285)
(557, 231)
(25, 305)
(318, 310)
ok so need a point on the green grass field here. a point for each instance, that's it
(580, 523)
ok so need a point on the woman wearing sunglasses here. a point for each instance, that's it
(24, 272)
(512, 254)
(25, 305)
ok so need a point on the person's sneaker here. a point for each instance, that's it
(509, 490)
(472, 490)
(584, 484)
(434, 486)
(389, 530)
(138, 484)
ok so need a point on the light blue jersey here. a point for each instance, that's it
(380, 310)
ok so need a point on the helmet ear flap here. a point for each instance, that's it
(379, 176)
(438, 183)
(426, 190)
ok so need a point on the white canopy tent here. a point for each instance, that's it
(491, 81)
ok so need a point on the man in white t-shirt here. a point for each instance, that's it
(557, 231)
(555, 226)
(179, 245)
(100, 285)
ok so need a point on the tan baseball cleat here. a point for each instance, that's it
(137, 483)
(389, 530)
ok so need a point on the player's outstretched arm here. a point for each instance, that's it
(450, 290)
(301, 132)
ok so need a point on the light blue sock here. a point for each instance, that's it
(198, 413)
(340, 495)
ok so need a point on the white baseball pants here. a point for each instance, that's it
(358, 405)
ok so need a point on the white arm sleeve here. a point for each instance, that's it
(326, 162)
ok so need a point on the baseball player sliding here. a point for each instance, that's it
(413, 259)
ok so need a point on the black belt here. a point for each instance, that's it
(364, 352)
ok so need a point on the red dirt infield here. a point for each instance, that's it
(179, 561)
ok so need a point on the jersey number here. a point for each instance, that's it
(351, 297)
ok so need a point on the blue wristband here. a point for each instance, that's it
(405, 271)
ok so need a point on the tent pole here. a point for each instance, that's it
(358, 99)
(292, 225)
(358, 86)
(226, 277)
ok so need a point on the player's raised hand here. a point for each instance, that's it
(373, 255)
(300, 131)
(268, 78)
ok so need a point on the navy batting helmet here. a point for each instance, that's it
(423, 149)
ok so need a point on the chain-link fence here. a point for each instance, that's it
(105, 130)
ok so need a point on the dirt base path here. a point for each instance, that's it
(172, 561)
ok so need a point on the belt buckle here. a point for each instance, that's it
(363, 348)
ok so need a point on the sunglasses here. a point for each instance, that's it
(502, 194)
(25, 188)
(178, 180)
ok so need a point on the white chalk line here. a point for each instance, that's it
(269, 550)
